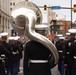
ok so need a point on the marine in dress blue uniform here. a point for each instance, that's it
(61, 51)
(8, 47)
(16, 55)
(67, 62)
(73, 57)
(36, 58)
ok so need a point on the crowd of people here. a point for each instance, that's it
(35, 53)
(66, 47)
(10, 54)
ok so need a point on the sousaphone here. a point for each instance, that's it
(24, 16)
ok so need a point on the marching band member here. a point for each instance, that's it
(67, 62)
(36, 57)
(16, 55)
(8, 47)
(61, 51)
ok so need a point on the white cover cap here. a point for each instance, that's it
(72, 30)
(11, 38)
(41, 27)
(68, 33)
(4, 34)
(17, 37)
(61, 37)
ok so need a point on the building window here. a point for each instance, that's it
(13, 3)
(10, 4)
(10, 9)
(0, 19)
(58, 23)
(13, 33)
(61, 23)
(69, 23)
(61, 28)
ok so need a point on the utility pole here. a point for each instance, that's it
(71, 13)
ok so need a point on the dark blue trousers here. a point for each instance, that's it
(73, 72)
(15, 68)
(7, 70)
(61, 67)
(68, 70)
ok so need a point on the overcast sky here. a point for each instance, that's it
(62, 3)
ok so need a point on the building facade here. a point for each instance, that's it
(51, 16)
(12, 4)
(4, 16)
(5, 10)
(64, 26)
